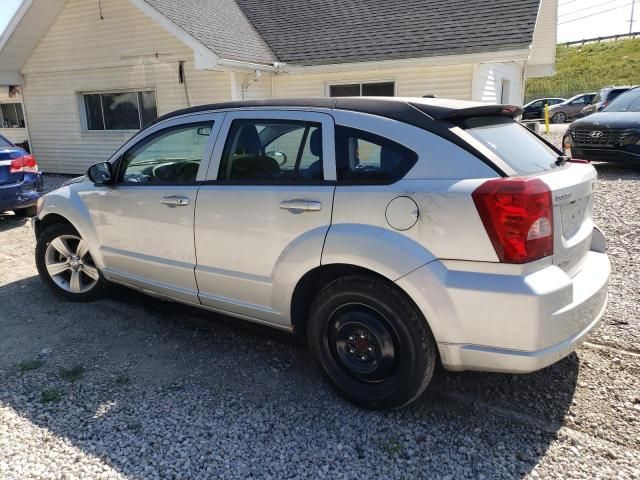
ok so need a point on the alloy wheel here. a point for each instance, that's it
(69, 264)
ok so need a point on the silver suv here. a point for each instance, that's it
(393, 233)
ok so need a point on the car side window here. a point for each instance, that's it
(579, 101)
(172, 155)
(362, 157)
(272, 151)
(537, 104)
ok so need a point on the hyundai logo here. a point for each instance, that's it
(596, 134)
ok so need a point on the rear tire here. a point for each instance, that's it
(372, 343)
(559, 117)
(27, 212)
(66, 266)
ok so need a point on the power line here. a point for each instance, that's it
(596, 13)
(589, 8)
(567, 3)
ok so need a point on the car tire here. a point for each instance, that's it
(559, 117)
(372, 343)
(26, 212)
(66, 266)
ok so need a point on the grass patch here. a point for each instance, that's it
(588, 68)
(51, 395)
(123, 380)
(72, 374)
(392, 447)
(30, 365)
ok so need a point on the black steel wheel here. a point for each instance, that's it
(371, 341)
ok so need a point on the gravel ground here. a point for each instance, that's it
(131, 387)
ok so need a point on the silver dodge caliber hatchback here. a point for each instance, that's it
(393, 233)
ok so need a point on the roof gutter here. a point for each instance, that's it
(275, 67)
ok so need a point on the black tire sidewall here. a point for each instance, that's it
(45, 238)
(415, 362)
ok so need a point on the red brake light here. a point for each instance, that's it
(517, 214)
(26, 163)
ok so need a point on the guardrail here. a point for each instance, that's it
(609, 38)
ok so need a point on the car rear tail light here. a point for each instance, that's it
(26, 163)
(517, 214)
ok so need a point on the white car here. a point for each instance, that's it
(394, 233)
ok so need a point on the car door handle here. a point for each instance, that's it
(175, 201)
(297, 205)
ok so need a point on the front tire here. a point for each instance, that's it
(372, 342)
(66, 266)
(559, 117)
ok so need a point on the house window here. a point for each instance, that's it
(119, 110)
(373, 89)
(11, 115)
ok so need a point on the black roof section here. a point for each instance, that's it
(408, 110)
(320, 32)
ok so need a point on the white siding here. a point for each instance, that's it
(15, 135)
(451, 81)
(487, 85)
(82, 53)
(543, 48)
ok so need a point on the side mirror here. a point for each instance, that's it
(101, 173)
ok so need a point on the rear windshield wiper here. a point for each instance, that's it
(561, 160)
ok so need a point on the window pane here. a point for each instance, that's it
(270, 150)
(344, 90)
(363, 157)
(120, 111)
(20, 114)
(385, 89)
(171, 156)
(148, 111)
(311, 160)
(4, 143)
(512, 142)
(9, 115)
(94, 112)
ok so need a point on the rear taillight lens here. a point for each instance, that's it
(26, 163)
(517, 214)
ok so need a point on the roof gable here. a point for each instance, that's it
(219, 25)
(315, 32)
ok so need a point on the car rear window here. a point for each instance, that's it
(515, 144)
(4, 143)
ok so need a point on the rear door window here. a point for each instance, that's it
(516, 145)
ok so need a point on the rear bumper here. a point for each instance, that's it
(22, 194)
(515, 323)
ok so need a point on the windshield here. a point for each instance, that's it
(627, 102)
(515, 144)
(4, 143)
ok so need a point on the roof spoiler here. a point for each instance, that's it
(511, 111)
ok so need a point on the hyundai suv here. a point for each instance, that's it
(394, 233)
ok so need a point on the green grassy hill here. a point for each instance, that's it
(588, 68)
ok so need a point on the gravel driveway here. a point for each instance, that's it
(132, 387)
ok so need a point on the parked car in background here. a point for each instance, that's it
(570, 109)
(604, 97)
(610, 135)
(21, 183)
(535, 108)
(394, 233)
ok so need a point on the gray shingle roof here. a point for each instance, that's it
(316, 32)
(220, 25)
(312, 32)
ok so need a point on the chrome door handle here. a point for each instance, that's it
(175, 201)
(299, 205)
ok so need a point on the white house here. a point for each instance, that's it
(92, 72)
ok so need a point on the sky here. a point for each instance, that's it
(603, 17)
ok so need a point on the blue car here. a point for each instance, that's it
(21, 184)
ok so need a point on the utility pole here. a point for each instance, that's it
(633, 7)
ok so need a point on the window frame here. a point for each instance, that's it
(328, 143)
(17, 116)
(360, 83)
(215, 118)
(84, 119)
